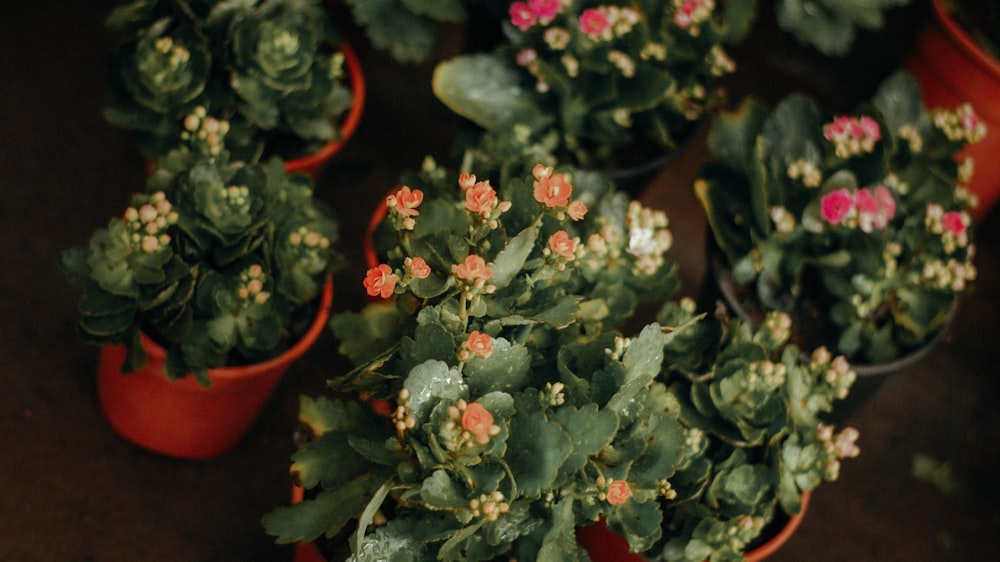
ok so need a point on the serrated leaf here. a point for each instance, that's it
(430, 382)
(510, 260)
(537, 449)
(486, 90)
(324, 515)
(507, 369)
(439, 491)
(590, 430)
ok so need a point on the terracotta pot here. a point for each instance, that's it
(952, 69)
(378, 215)
(182, 418)
(605, 546)
(313, 163)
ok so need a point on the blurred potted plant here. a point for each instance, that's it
(274, 69)
(858, 225)
(597, 83)
(518, 412)
(202, 293)
(830, 26)
(955, 61)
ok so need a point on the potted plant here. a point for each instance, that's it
(858, 225)
(955, 61)
(275, 70)
(212, 281)
(596, 83)
(517, 410)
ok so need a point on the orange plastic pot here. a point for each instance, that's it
(605, 546)
(313, 163)
(951, 69)
(182, 418)
(371, 256)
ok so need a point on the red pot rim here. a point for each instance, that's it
(351, 121)
(378, 215)
(227, 374)
(964, 42)
(777, 541)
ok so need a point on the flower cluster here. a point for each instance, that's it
(867, 225)
(593, 79)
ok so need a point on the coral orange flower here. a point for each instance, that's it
(380, 281)
(473, 269)
(577, 210)
(479, 344)
(478, 421)
(481, 198)
(406, 201)
(562, 245)
(552, 189)
(417, 268)
(619, 492)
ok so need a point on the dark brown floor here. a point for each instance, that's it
(71, 490)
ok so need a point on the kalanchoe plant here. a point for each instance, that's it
(586, 79)
(273, 69)
(856, 224)
(517, 413)
(688, 439)
(217, 261)
(751, 405)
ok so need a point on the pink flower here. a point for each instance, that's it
(875, 208)
(526, 56)
(479, 344)
(552, 189)
(478, 421)
(406, 201)
(691, 12)
(481, 198)
(836, 206)
(418, 268)
(546, 10)
(577, 210)
(562, 245)
(380, 281)
(522, 16)
(473, 269)
(852, 135)
(619, 492)
(953, 223)
(594, 22)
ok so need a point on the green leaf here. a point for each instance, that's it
(326, 514)
(486, 90)
(439, 491)
(507, 369)
(732, 134)
(642, 362)
(408, 36)
(510, 260)
(639, 523)
(323, 414)
(430, 382)
(559, 543)
(442, 10)
(537, 449)
(589, 429)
